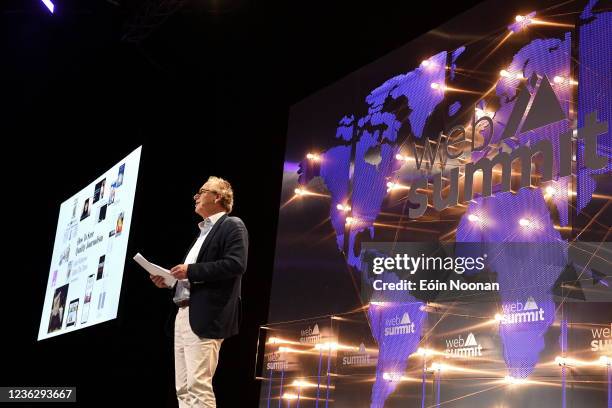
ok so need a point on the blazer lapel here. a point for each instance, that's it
(210, 236)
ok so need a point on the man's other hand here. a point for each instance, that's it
(179, 271)
(158, 281)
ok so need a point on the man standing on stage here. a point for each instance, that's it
(207, 293)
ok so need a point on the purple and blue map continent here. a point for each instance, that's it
(526, 277)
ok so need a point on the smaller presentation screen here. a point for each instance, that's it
(89, 252)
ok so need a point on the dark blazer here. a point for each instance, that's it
(215, 309)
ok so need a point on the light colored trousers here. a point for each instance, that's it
(195, 362)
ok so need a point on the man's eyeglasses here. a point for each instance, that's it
(204, 191)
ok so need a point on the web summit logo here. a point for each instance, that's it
(276, 362)
(602, 339)
(460, 347)
(395, 326)
(530, 112)
(361, 358)
(518, 312)
(310, 336)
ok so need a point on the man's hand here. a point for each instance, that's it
(179, 271)
(159, 281)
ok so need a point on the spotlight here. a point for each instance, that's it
(498, 317)
(506, 74)
(561, 361)
(437, 367)
(349, 221)
(521, 22)
(473, 218)
(558, 79)
(401, 157)
(288, 396)
(437, 86)
(605, 361)
(514, 381)
(392, 376)
(424, 352)
(326, 346)
(313, 157)
(300, 192)
(395, 186)
(480, 113)
(524, 222)
(343, 207)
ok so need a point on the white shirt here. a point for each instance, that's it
(182, 286)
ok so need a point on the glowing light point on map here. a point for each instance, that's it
(343, 207)
(482, 113)
(326, 346)
(438, 87)
(313, 157)
(524, 222)
(473, 218)
(521, 22)
(514, 381)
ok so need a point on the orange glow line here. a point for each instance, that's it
(589, 217)
(308, 193)
(398, 187)
(503, 40)
(535, 21)
(465, 396)
(448, 88)
(288, 201)
(602, 196)
(325, 221)
(592, 220)
(448, 234)
(280, 341)
(576, 247)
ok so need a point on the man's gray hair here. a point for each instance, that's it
(225, 192)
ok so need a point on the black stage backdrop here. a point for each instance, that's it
(206, 93)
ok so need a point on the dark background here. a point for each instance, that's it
(206, 93)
